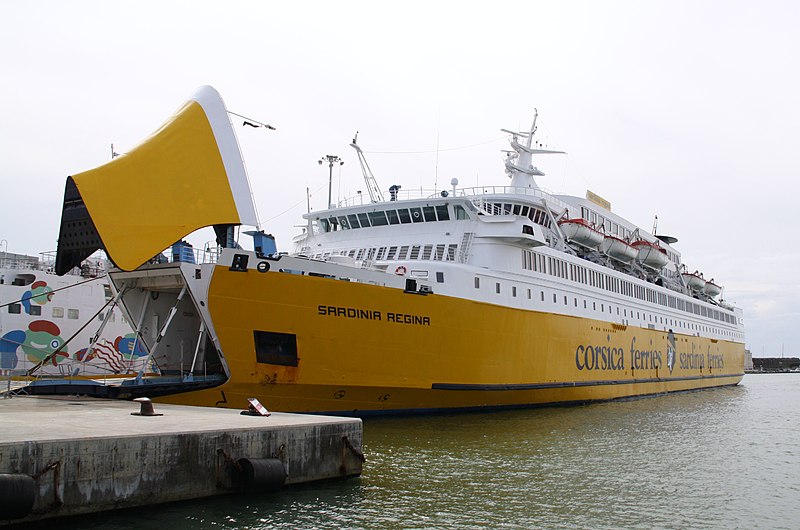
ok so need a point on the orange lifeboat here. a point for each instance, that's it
(581, 232)
(650, 254)
(619, 249)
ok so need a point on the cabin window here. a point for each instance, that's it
(517, 209)
(442, 213)
(326, 227)
(73, 314)
(381, 253)
(334, 224)
(497, 287)
(391, 254)
(428, 213)
(529, 294)
(439, 253)
(36, 310)
(414, 252)
(507, 209)
(378, 218)
(364, 220)
(460, 212)
(477, 283)
(416, 215)
(426, 251)
(58, 312)
(541, 295)
(343, 223)
(440, 277)
(403, 252)
(555, 298)
(524, 211)
(15, 309)
(276, 348)
(405, 217)
(353, 221)
(514, 291)
(393, 219)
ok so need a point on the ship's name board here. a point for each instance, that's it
(371, 314)
(609, 357)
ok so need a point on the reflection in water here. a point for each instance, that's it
(724, 458)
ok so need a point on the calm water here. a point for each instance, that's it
(725, 458)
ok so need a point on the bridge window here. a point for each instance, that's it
(378, 218)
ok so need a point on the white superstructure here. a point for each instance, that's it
(520, 246)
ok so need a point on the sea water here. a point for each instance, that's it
(720, 458)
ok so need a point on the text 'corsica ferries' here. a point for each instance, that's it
(468, 298)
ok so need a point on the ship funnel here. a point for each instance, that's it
(187, 175)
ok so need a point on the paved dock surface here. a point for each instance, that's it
(88, 455)
(30, 418)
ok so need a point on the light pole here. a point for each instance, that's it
(332, 159)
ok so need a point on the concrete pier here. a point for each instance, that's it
(81, 455)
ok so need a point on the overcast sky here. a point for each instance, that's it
(688, 110)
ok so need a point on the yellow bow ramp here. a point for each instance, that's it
(187, 175)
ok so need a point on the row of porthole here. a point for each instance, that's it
(671, 322)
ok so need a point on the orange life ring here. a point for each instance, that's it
(401, 270)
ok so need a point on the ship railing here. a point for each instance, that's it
(480, 193)
(20, 262)
(91, 267)
(185, 253)
(477, 192)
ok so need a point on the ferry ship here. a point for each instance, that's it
(49, 323)
(464, 299)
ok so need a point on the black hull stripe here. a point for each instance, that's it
(571, 384)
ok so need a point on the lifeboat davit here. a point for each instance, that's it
(694, 280)
(650, 254)
(580, 232)
(712, 289)
(619, 249)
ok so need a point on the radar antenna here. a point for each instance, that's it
(374, 190)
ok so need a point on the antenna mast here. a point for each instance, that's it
(373, 189)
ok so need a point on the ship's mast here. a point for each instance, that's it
(519, 165)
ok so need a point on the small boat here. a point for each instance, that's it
(650, 254)
(712, 289)
(581, 232)
(694, 280)
(619, 249)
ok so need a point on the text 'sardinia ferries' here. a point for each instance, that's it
(468, 298)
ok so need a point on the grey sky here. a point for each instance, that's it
(687, 110)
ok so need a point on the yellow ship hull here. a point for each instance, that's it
(364, 349)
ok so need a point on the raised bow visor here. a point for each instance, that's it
(187, 175)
